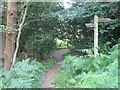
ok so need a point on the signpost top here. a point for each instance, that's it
(104, 19)
(89, 25)
(99, 20)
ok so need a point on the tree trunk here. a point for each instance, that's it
(10, 36)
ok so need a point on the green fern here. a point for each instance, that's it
(26, 74)
(107, 79)
(87, 72)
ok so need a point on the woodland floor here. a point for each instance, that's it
(50, 75)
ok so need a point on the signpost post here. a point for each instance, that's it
(95, 25)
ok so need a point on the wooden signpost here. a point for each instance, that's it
(95, 25)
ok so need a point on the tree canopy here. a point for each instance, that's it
(47, 21)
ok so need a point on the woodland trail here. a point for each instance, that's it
(57, 54)
(50, 75)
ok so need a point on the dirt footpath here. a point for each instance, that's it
(50, 75)
(57, 54)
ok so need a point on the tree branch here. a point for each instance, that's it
(18, 37)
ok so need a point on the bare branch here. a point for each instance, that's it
(19, 34)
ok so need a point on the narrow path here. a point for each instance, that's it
(57, 54)
(50, 75)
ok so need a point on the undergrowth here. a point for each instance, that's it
(25, 74)
(48, 63)
(87, 72)
(61, 45)
(66, 53)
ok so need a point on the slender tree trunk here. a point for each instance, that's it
(10, 37)
(18, 36)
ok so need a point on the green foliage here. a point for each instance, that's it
(87, 72)
(66, 53)
(62, 80)
(26, 74)
(73, 65)
(47, 21)
(43, 27)
(1, 85)
(106, 79)
(61, 45)
(79, 35)
(39, 44)
(49, 63)
(105, 49)
(88, 52)
(38, 35)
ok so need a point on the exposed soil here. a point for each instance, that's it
(57, 54)
(50, 75)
